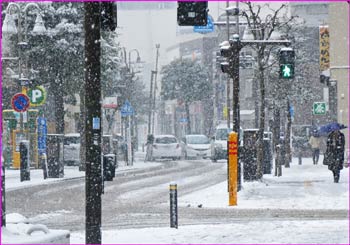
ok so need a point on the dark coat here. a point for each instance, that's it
(335, 150)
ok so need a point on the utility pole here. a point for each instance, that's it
(235, 92)
(150, 104)
(155, 87)
(228, 103)
(93, 176)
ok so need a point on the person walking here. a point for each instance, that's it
(334, 155)
(315, 142)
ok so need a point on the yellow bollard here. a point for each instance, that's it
(232, 163)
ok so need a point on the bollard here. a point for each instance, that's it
(24, 164)
(232, 167)
(43, 161)
(3, 194)
(173, 205)
(278, 166)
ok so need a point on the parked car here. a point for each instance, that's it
(195, 145)
(218, 145)
(166, 146)
(119, 146)
(71, 149)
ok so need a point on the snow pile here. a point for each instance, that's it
(18, 231)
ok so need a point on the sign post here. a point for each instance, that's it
(126, 111)
(20, 103)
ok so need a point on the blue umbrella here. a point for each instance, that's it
(328, 128)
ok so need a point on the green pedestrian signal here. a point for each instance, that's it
(286, 71)
(286, 61)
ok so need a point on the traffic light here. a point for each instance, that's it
(226, 53)
(286, 62)
(192, 13)
(324, 79)
(108, 16)
(225, 67)
(287, 71)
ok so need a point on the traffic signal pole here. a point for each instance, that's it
(93, 174)
(228, 106)
(231, 51)
(235, 102)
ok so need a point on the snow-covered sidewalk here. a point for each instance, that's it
(252, 232)
(305, 186)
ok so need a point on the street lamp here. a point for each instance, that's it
(9, 28)
(138, 59)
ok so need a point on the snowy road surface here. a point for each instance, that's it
(302, 198)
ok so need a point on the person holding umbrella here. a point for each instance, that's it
(334, 155)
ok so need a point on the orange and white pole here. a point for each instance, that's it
(232, 162)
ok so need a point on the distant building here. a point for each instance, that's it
(339, 59)
(313, 13)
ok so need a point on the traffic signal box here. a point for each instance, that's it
(286, 62)
(192, 13)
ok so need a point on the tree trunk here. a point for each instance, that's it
(260, 148)
(287, 137)
(59, 105)
(82, 131)
(187, 108)
(276, 127)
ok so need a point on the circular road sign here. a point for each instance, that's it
(20, 102)
(37, 96)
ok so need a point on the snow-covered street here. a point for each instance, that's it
(301, 206)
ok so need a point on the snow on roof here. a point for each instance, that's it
(164, 135)
(72, 135)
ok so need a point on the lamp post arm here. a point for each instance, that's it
(29, 5)
(8, 10)
(124, 54)
(138, 55)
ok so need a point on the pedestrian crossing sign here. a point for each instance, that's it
(319, 108)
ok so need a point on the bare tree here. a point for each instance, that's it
(262, 28)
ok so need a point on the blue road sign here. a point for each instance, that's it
(42, 133)
(127, 109)
(96, 123)
(183, 120)
(291, 110)
(205, 29)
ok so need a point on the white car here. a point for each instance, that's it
(166, 146)
(219, 141)
(196, 145)
(71, 149)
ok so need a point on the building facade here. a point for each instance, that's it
(339, 59)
